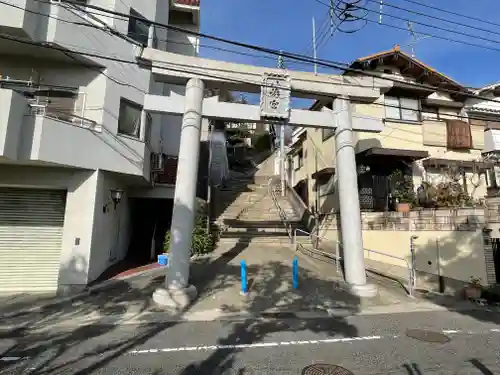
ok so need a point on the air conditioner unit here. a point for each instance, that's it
(157, 162)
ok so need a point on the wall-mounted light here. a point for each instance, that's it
(116, 196)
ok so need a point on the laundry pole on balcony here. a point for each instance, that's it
(177, 293)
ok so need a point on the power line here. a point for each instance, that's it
(420, 111)
(297, 57)
(427, 33)
(427, 25)
(453, 13)
(434, 17)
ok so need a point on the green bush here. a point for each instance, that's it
(261, 141)
(202, 243)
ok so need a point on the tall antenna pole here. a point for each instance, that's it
(413, 38)
(381, 6)
(332, 16)
(314, 46)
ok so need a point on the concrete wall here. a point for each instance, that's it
(17, 21)
(449, 243)
(111, 230)
(90, 236)
(102, 92)
(13, 108)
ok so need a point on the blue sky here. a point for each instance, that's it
(286, 25)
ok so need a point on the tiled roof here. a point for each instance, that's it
(193, 3)
(397, 51)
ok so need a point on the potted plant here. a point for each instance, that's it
(473, 289)
(402, 191)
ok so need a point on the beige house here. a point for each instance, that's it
(434, 137)
(427, 134)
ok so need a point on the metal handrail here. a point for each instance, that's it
(281, 212)
(411, 271)
(337, 247)
(292, 233)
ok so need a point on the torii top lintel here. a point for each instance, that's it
(175, 68)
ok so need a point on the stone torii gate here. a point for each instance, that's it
(276, 87)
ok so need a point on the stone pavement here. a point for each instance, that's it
(321, 292)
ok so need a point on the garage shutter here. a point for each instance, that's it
(31, 226)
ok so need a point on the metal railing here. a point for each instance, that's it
(66, 116)
(284, 219)
(315, 248)
(411, 270)
(292, 233)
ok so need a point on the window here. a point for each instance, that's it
(327, 133)
(138, 29)
(129, 120)
(430, 113)
(299, 160)
(401, 109)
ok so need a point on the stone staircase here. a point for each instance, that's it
(245, 212)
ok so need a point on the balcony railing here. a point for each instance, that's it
(69, 109)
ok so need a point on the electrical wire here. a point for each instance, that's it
(434, 17)
(453, 13)
(427, 25)
(297, 57)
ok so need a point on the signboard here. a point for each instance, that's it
(275, 96)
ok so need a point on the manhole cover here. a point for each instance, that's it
(323, 369)
(428, 336)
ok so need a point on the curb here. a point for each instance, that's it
(216, 315)
(85, 293)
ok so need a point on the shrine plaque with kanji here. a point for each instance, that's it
(275, 96)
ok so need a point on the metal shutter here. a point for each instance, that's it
(31, 227)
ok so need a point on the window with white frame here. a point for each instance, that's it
(405, 109)
(138, 27)
(129, 120)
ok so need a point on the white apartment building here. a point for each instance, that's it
(79, 158)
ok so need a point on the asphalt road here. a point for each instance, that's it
(370, 344)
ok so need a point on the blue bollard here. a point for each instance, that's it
(163, 260)
(295, 273)
(244, 281)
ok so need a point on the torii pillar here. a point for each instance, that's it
(350, 213)
(177, 294)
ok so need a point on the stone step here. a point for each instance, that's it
(235, 223)
(267, 241)
(253, 233)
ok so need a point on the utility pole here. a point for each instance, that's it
(281, 65)
(314, 45)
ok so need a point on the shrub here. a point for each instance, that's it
(262, 141)
(202, 242)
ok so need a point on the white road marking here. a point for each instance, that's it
(255, 345)
(294, 343)
(10, 359)
(451, 331)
